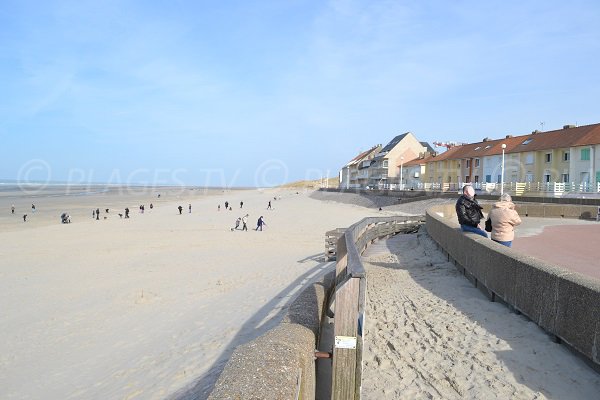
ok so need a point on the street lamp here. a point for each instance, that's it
(502, 176)
(401, 162)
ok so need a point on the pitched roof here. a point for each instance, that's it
(428, 148)
(388, 147)
(561, 138)
(362, 155)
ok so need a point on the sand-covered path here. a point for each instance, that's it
(431, 335)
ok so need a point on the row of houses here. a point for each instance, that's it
(570, 155)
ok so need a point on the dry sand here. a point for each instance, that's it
(431, 335)
(149, 307)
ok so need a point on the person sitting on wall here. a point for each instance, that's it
(469, 212)
(504, 218)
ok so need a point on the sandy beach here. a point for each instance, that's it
(150, 307)
(431, 334)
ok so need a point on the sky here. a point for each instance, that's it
(258, 93)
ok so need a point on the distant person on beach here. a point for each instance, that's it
(226, 205)
(127, 212)
(151, 206)
(237, 224)
(180, 209)
(241, 204)
(219, 207)
(190, 208)
(93, 214)
(245, 222)
(24, 217)
(504, 218)
(97, 214)
(469, 212)
(260, 223)
(269, 206)
(159, 195)
(12, 209)
(33, 208)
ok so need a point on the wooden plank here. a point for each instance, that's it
(345, 326)
(342, 260)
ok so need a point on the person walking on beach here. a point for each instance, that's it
(469, 212)
(33, 208)
(269, 206)
(97, 214)
(245, 222)
(190, 208)
(93, 214)
(126, 212)
(151, 206)
(237, 224)
(241, 204)
(226, 205)
(504, 218)
(219, 207)
(260, 223)
(24, 217)
(12, 209)
(180, 209)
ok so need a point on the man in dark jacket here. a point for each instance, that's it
(469, 212)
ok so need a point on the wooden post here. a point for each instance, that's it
(345, 339)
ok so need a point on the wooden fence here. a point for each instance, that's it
(350, 297)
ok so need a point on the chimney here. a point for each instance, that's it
(534, 132)
(509, 136)
(487, 139)
(568, 126)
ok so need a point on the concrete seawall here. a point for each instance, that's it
(563, 303)
(279, 364)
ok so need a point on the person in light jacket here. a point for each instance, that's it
(504, 218)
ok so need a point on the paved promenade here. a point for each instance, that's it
(573, 244)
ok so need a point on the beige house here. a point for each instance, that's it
(354, 174)
(384, 171)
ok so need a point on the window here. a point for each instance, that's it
(548, 157)
(477, 148)
(526, 141)
(529, 177)
(566, 156)
(565, 178)
(468, 164)
(476, 162)
(467, 179)
(585, 154)
(529, 158)
(488, 178)
(385, 163)
(547, 178)
(488, 146)
(476, 178)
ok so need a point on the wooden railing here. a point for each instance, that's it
(350, 297)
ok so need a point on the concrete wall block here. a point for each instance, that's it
(576, 321)
(535, 292)
(269, 366)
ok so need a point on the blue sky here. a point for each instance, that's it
(254, 93)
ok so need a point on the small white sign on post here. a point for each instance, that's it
(345, 342)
